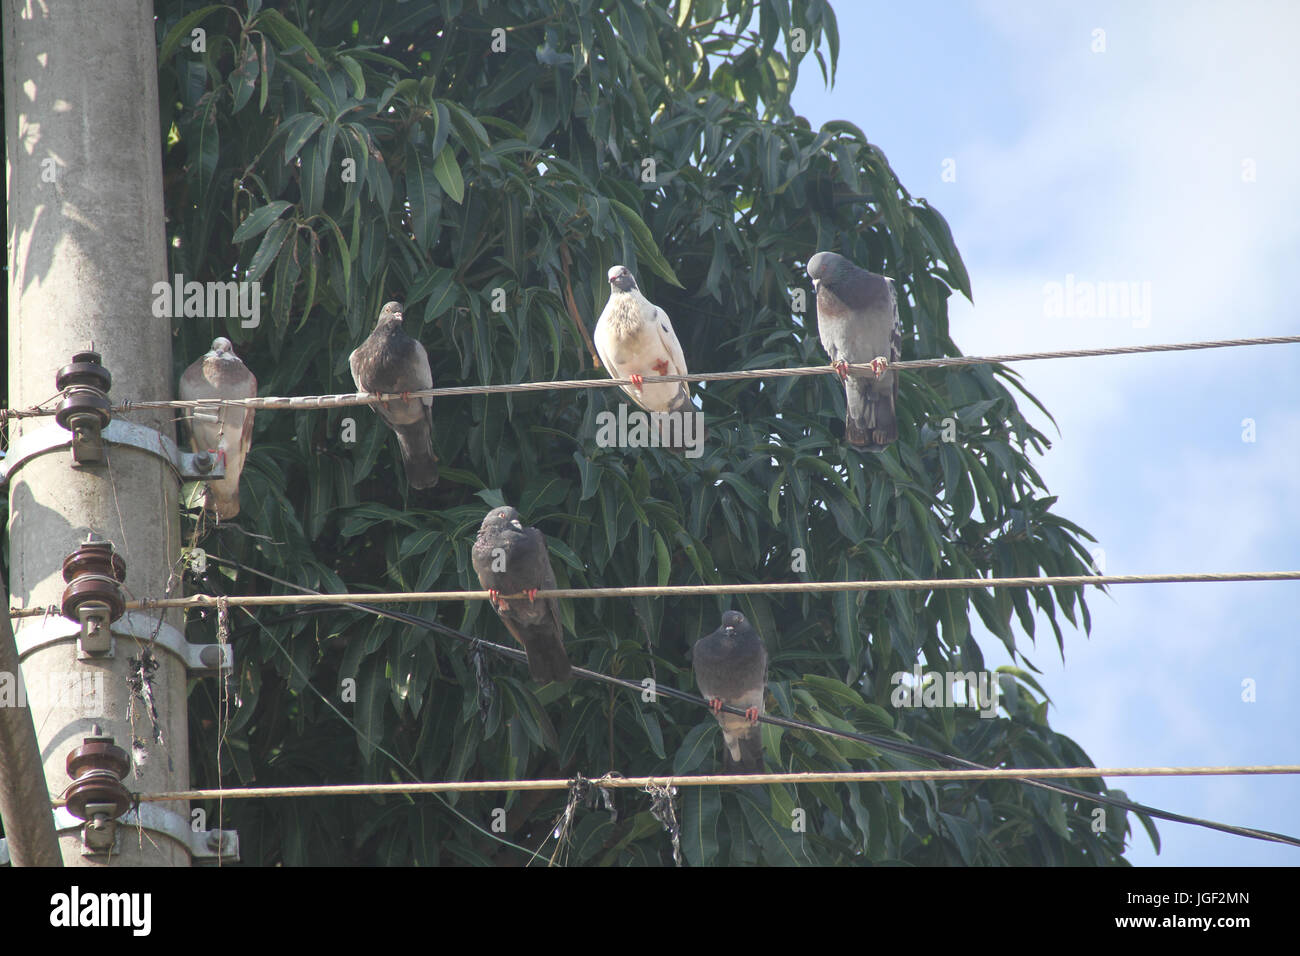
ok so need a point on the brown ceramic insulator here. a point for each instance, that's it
(85, 384)
(97, 768)
(93, 572)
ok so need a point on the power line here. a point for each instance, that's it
(700, 590)
(615, 781)
(882, 743)
(314, 402)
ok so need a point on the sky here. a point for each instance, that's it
(1152, 145)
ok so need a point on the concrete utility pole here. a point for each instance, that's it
(29, 827)
(86, 243)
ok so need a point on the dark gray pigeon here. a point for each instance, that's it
(512, 559)
(731, 668)
(391, 362)
(857, 321)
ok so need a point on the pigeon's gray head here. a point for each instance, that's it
(732, 620)
(500, 519)
(391, 310)
(825, 265)
(221, 348)
(620, 277)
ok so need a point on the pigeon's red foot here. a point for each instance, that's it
(752, 715)
(715, 705)
(406, 396)
(637, 381)
(219, 454)
(841, 369)
(879, 364)
(494, 598)
(532, 595)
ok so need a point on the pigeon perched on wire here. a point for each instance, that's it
(224, 430)
(857, 322)
(731, 668)
(391, 362)
(635, 338)
(511, 558)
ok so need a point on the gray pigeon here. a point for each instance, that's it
(391, 362)
(857, 321)
(731, 668)
(512, 559)
(634, 337)
(225, 430)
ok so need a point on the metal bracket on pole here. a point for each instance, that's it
(199, 466)
(31, 633)
(204, 846)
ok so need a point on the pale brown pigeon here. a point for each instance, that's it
(224, 430)
(857, 322)
(635, 338)
(511, 558)
(731, 668)
(390, 362)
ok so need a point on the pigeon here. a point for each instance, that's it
(224, 430)
(731, 668)
(634, 338)
(391, 362)
(857, 321)
(512, 559)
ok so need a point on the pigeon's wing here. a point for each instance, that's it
(676, 357)
(422, 373)
(246, 438)
(601, 339)
(354, 364)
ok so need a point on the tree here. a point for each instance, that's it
(460, 156)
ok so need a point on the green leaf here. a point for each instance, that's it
(268, 250)
(447, 170)
(297, 131)
(695, 747)
(285, 33)
(184, 27)
(259, 220)
(645, 245)
(701, 807)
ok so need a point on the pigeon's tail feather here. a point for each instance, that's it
(416, 442)
(744, 750)
(222, 498)
(547, 660)
(683, 430)
(870, 422)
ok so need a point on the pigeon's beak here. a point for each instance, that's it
(516, 523)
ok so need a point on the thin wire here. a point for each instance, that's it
(710, 780)
(374, 743)
(313, 402)
(704, 590)
(881, 743)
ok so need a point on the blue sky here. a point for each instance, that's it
(1131, 165)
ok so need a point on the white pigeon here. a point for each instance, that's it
(224, 430)
(635, 338)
